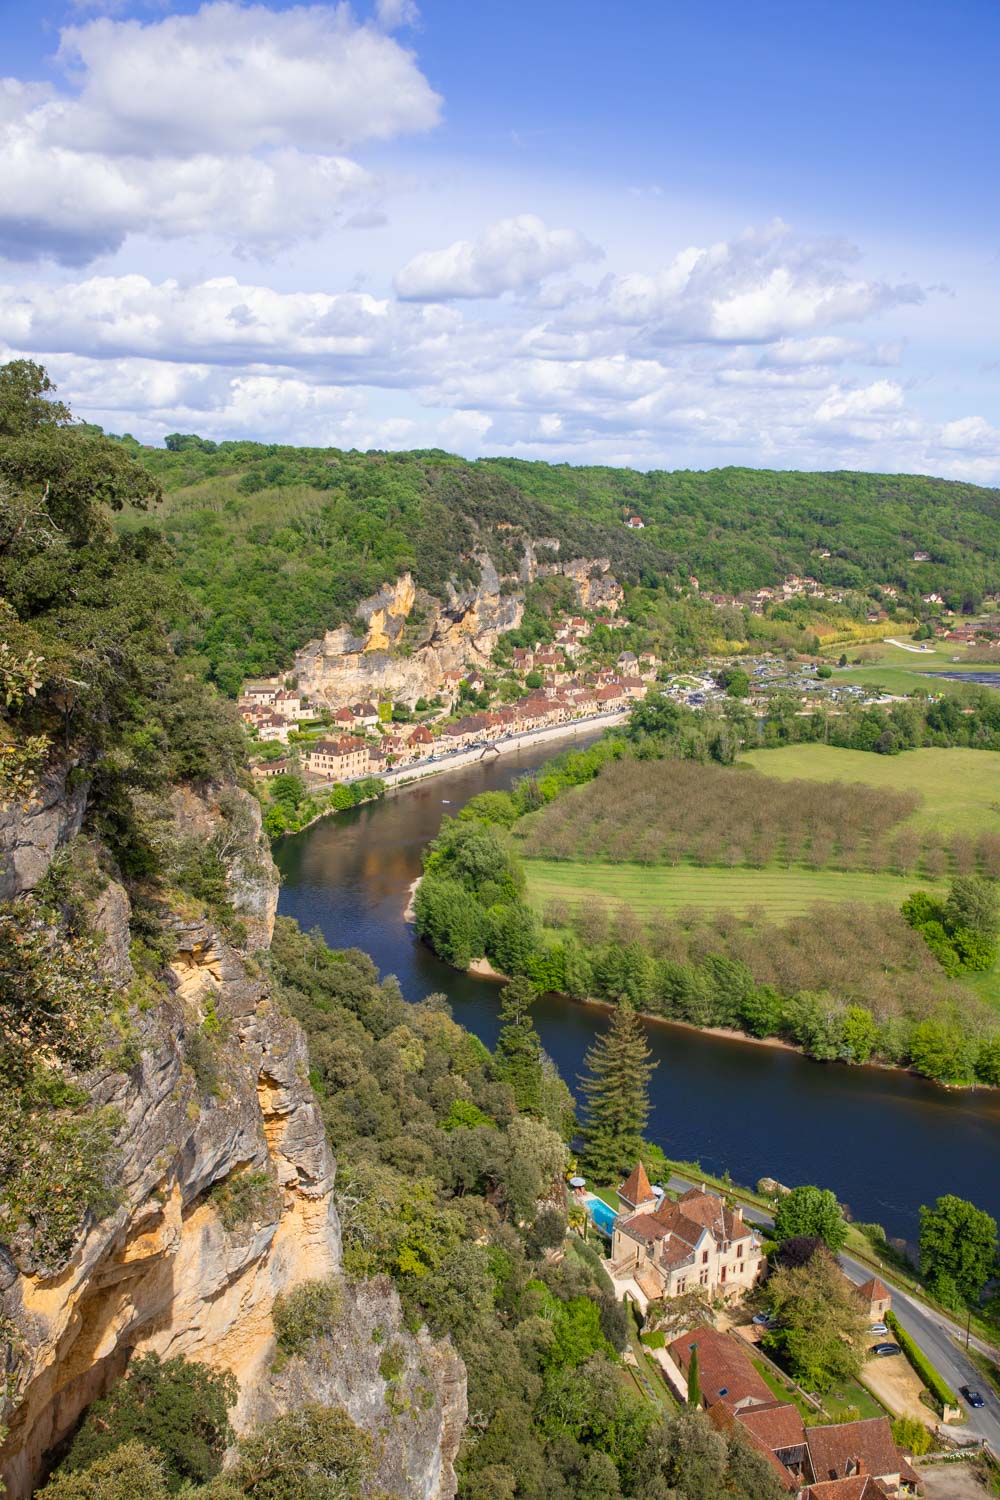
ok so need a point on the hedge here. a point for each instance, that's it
(918, 1359)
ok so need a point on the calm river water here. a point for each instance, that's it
(885, 1142)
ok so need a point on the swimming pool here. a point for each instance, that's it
(602, 1214)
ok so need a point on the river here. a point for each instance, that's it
(884, 1141)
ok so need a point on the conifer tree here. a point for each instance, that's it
(519, 1048)
(616, 1090)
(694, 1382)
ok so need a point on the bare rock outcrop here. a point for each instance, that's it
(406, 1390)
(406, 640)
(31, 833)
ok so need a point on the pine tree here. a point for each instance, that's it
(519, 1048)
(694, 1382)
(616, 1091)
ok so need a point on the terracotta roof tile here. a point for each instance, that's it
(835, 1451)
(778, 1426)
(724, 1371)
(636, 1188)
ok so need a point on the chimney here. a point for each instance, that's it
(738, 1213)
(704, 1188)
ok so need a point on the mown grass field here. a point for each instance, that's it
(960, 788)
(901, 683)
(668, 889)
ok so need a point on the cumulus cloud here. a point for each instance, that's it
(762, 287)
(232, 121)
(563, 378)
(510, 255)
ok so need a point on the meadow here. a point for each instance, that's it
(958, 790)
(777, 893)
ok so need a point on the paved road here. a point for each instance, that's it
(934, 1333)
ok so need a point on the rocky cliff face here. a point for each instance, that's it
(219, 1092)
(410, 639)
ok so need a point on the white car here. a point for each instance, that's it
(879, 1328)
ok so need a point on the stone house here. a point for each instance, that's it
(421, 741)
(365, 715)
(260, 692)
(338, 760)
(877, 1299)
(271, 727)
(670, 1248)
(839, 1461)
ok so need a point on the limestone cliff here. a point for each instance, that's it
(218, 1091)
(407, 639)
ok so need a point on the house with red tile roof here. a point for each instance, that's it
(877, 1299)
(858, 1450)
(725, 1374)
(672, 1247)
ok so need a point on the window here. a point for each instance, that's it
(704, 1257)
(682, 1286)
(739, 1251)
(704, 1278)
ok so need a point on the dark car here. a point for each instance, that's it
(882, 1351)
(972, 1397)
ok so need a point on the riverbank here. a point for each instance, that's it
(884, 1141)
(460, 760)
(481, 968)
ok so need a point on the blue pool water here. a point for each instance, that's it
(602, 1214)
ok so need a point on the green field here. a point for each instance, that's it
(960, 788)
(901, 683)
(647, 889)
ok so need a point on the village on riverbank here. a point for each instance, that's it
(583, 672)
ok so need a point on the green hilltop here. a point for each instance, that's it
(278, 543)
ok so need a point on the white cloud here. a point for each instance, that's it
(860, 402)
(233, 356)
(510, 255)
(230, 121)
(392, 14)
(763, 287)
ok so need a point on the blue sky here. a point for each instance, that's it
(661, 234)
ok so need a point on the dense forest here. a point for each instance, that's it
(276, 544)
(740, 529)
(444, 1152)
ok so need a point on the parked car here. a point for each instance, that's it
(879, 1328)
(972, 1397)
(762, 1320)
(883, 1351)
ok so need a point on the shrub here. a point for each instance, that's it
(175, 1407)
(912, 1436)
(245, 1198)
(305, 1313)
(392, 1362)
(942, 1392)
(131, 1472)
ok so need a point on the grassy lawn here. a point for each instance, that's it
(901, 681)
(960, 788)
(940, 658)
(669, 888)
(838, 1404)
